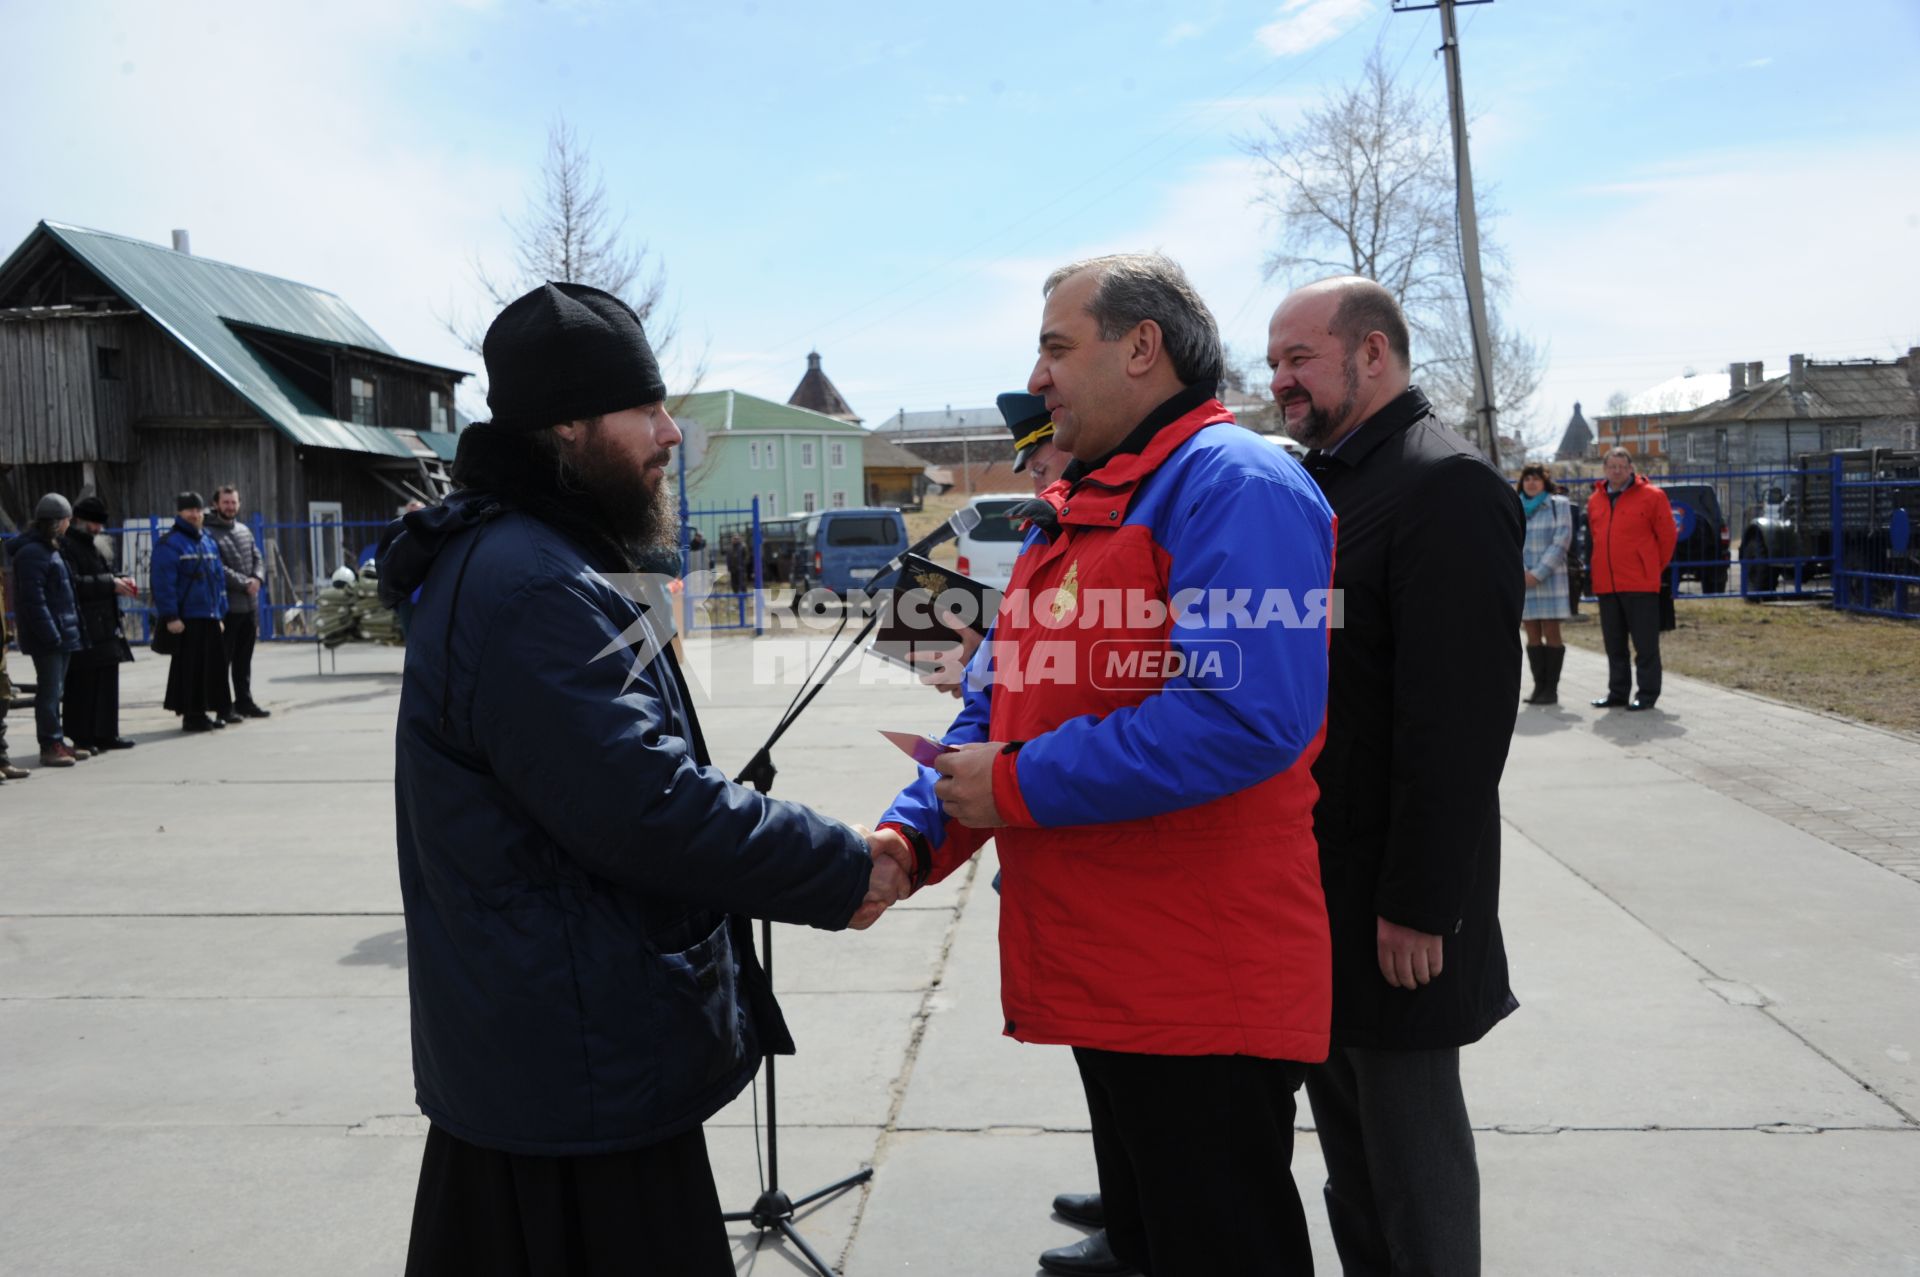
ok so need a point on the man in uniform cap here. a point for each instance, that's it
(1033, 447)
(576, 874)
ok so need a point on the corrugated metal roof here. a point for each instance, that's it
(738, 410)
(1840, 391)
(193, 297)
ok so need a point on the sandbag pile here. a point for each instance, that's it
(349, 610)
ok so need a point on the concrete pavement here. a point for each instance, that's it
(203, 1040)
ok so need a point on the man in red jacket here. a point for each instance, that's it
(1138, 735)
(1631, 528)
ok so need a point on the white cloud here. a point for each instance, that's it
(1307, 24)
(1181, 32)
(1757, 63)
(1735, 256)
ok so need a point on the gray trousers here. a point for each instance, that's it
(1635, 616)
(1403, 1185)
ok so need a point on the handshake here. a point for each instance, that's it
(891, 879)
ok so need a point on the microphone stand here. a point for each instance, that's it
(773, 1210)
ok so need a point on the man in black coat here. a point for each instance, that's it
(1424, 681)
(92, 695)
(577, 875)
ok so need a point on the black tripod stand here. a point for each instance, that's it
(773, 1210)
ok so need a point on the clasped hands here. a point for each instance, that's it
(891, 879)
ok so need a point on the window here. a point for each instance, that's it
(839, 498)
(864, 530)
(109, 358)
(437, 411)
(773, 504)
(326, 539)
(806, 454)
(1720, 448)
(1832, 437)
(362, 392)
(808, 501)
(753, 455)
(837, 455)
(773, 455)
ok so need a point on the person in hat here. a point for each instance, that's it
(190, 601)
(1033, 447)
(577, 876)
(91, 702)
(49, 621)
(1033, 452)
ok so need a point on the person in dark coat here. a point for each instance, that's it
(577, 876)
(190, 598)
(1423, 690)
(49, 621)
(92, 697)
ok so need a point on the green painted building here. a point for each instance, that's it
(740, 446)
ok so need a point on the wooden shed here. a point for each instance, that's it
(134, 371)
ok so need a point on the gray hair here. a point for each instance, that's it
(1132, 287)
(1618, 452)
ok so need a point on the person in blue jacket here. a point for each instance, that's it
(49, 620)
(190, 600)
(577, 875)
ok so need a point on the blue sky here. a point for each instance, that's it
(1684, 183)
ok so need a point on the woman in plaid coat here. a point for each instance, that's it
(1549, 534)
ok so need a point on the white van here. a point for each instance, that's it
(987, 553)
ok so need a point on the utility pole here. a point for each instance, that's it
(1485, 427)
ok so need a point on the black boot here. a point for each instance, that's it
(1539, 680)
(1546, 676)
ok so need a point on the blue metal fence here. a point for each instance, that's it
(284, 608)
(1838, 527)
(704, 604)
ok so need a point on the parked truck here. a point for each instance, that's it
(1792, 540)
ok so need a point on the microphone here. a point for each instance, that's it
(964, 520)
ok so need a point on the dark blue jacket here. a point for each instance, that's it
(575, 874)
(189, 581)
(49, 618)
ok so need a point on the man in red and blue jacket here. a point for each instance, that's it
(1138, 736)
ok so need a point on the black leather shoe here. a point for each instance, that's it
(1642, 702)
(120, 742)
(198, 723)
(250, 710)
(228, 717)
(1608, 702)
(1081, 1208)
(1089, 1255)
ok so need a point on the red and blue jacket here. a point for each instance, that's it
(1161, 884)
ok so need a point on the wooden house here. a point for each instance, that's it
(134, 371)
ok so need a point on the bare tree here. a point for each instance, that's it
(568, 232)
(1364, 185)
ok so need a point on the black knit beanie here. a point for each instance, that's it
(565, 352)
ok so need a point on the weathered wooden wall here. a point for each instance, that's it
(49, 390)
(401, 396)
(169, 386)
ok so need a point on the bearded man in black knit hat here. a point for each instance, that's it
(577, 876)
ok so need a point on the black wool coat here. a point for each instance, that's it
(1424, 682)
(98, 600)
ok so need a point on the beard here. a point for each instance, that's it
(1319, 427)
(642, 516)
